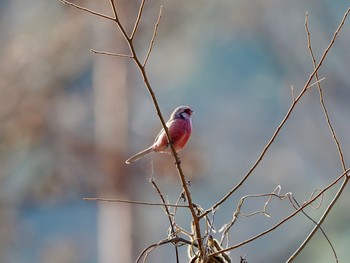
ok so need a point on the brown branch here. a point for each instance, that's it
(87, 10)
(274, 193)
(316, 82)
(110, 54)
(323, 217)
(120, 26)
(139, 15)
(346, 180)
(176, 156)
(132, 202)
(296, 205)
(153, 36)
(156, 105)
(286, 218)
(336, 141)
(173, 232)
(174, 240)
(312, 75)
(237, 212)
(116, 18)
(292, 92)
(321, 201)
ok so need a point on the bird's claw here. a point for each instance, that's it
(178, 161)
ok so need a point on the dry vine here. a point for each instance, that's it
(203, 247)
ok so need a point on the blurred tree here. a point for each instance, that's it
(111, 82)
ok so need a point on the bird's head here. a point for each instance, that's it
(182, 112)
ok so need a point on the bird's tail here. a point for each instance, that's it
(139, 155)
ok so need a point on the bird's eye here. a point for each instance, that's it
(188, 111)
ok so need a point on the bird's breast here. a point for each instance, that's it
(179, 132)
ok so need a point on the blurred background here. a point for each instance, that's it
(70, 118)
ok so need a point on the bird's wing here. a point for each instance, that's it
(162, 130)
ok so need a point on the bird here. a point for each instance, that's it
(179, 127)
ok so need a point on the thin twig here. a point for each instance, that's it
(156, 105)
(336, 141)
(177, 202)
(133, 202)
(292, 91)
(153, 36)
(284, 119)
(342, 187)
(174, 240)
(312, 220)
(320, 221)
(138, 18)
(87, 10)
(110, 54)
(120, 26)
(237, 212)
(317, 82)
(321, 201)
(116, 18)
(286, 218)
(170, 217)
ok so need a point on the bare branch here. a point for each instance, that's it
(343, 175)
(321, 201)
(312, 220)
(153, 36)
(336, 141)
(119, 24)
(238, 211)
(87, 10)
(170, 217)
(114, 11)
(284, 119)
(292, 92)
(138, 19)
(174, 240)
(317, 82)
(196, 212)
(141, 67)
(342, 187)
(110, 54)
(132, 202)
(156, 105)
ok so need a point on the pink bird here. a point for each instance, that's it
(179, 127)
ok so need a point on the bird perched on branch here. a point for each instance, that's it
(179, 126)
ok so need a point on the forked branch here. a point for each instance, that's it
(289, 112)
(141, 66)
(341, 156)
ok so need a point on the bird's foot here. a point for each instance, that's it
(178, 161)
